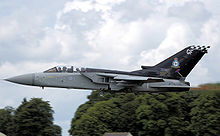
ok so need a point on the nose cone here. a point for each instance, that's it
(27, 79)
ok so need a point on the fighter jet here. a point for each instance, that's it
(166, 76)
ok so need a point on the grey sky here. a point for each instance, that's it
(123, 34)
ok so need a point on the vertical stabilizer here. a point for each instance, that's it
(181, 64)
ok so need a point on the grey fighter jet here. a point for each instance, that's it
(166, 76)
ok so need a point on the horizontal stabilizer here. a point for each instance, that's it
(166, 86)
(146, 67)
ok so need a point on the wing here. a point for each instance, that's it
(121, 80)
(138, 79)
(130, 78)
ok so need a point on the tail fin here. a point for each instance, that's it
(181, 64)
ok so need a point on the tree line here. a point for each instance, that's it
(31, 118)
(194, 113)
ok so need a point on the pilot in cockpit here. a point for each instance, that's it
(64, 69)
(68, 69)
(59, 69)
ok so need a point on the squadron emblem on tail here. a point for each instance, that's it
(175, 63)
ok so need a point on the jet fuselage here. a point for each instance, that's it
(167, 76)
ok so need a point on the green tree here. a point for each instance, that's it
(94, 97)
(6, 120)
(106, 115)
(193, 113)
(152, 115)
(96, 121)
(34, 118)
(205, 115)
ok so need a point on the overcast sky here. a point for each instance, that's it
(116, 34)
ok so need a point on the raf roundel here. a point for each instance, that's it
(175, 63)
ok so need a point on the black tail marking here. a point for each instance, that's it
(181, 64)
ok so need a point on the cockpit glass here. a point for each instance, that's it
(51, 70)
(68, 69)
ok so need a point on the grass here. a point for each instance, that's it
(208, 86)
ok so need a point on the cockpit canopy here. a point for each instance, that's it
(67, 69)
